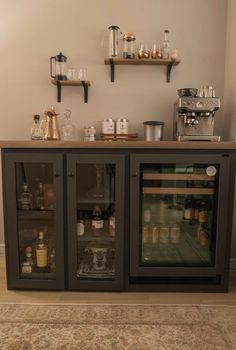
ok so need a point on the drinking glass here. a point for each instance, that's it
(83, 74)
(72, 74)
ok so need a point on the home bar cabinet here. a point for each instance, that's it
(113, 216)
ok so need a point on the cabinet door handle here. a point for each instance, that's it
(135, 174)
(56, 173)
(71, 174)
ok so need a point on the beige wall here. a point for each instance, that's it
(32, 31)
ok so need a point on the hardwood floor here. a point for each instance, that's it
(114, 297)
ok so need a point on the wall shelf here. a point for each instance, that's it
(60, 83)
(169, 63)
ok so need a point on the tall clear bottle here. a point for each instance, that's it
(165, 48)
(68, 130)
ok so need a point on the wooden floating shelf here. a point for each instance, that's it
(59, 83)
(169, 63)
(178, 177)
(172, 190)
(142, 61)
(71, 82)
(117, 137)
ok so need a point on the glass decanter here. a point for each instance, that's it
(68, 130)
(25, 202)
(36, 132)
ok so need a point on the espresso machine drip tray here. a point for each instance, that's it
(198, 138)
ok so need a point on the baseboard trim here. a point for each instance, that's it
(2, 249)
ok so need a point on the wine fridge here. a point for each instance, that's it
(177, 229)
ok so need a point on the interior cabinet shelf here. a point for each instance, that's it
(172, 190)
(176, 177)
(60, 83)
(169, 63)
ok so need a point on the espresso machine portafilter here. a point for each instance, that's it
(194, 116)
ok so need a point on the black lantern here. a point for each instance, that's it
(58, 66)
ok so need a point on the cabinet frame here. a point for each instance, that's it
(73, 282)
(9, 159)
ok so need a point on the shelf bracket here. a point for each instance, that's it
(58, 91)
(112, 70)
(168, 70)
(85, 86)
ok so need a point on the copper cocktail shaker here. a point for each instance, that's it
(51, 130)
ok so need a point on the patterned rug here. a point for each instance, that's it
(117, 327)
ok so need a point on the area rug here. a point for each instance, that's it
(117, 327)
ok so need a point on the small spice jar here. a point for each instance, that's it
(108, 126)
(89, 133)
(122, 126)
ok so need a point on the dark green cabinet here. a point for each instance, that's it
(118, 219)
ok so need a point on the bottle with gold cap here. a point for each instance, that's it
(41, 252)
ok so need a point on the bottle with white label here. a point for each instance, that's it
(97, 221)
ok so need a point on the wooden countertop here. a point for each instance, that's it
(229, 145)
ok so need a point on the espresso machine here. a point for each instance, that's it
(194, 113)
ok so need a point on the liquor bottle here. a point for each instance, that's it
(26, 199)
(28, 264)
(202, 235)
(41, 252)
(202, 213)
(80, 225)
(97, 221)
(165, 48)
(188, 209)
(36, 132)
(52, 260)
(39, 197)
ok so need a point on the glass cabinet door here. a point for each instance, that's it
(179, 218)
(35, 232)
(95, 221)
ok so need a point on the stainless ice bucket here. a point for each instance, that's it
(153, 130)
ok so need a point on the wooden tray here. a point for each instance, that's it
(117, 137)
